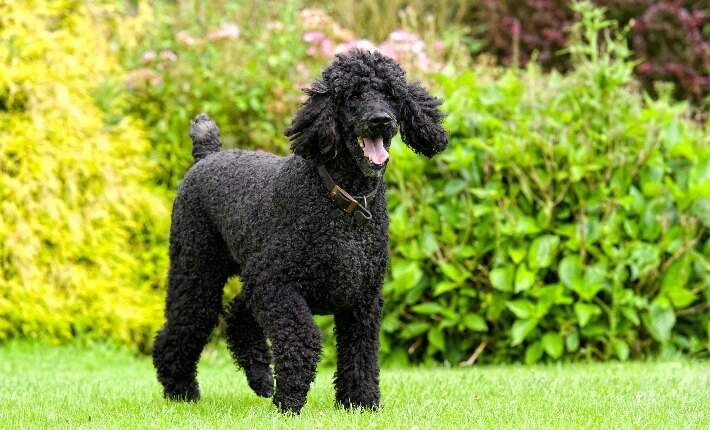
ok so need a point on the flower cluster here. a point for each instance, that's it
(326, 38)
(147, 76)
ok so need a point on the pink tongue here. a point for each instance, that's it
(375, 149)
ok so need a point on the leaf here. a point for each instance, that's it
(474, 322)
(533, 353)
(552, 344)
(673, 283)
(454, 186)
(405, 275)
(630, 314)
(680, 297)
(621, 349)
(570, 271)
(525, 225)
(414, 329)
(594, 281)
(572, 340)
(444, 287)
(677, 274)
(524, 279)
(585, 312)
(436, 338)
(701, 209)
(542, 251)
(521, 329)
(659, 321)
(429, 244)
(517, 254)
(453, 272)
(502, 278)
(521, 308)
(428, 308)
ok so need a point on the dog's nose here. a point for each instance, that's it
(379, 118)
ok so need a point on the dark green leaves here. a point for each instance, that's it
(565, 220)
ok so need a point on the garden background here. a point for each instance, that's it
(568, 220)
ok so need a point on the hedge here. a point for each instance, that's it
(82, 237)
(670, 38)
(568, 220)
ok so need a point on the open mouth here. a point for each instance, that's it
(374, 149)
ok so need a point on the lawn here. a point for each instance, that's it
(102, 387)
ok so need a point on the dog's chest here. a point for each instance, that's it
(348, 268)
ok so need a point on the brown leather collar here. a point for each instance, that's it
(353, 205)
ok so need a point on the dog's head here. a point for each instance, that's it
(356, 108)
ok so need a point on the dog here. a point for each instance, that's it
(307, 234)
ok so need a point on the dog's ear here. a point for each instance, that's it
(420, 121)
(313, 132)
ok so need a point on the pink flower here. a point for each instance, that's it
(226, 31)
(148, 57)
(400, 35)
(387, 49)
(168, 55)
(438, 45)
(327, 48)
(139, 77)
(362, 44)
(314, 36)
(185, 38)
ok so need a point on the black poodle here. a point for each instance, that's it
(307, 233)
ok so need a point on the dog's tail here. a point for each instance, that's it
(205, 137)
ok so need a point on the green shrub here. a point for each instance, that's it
(82, 239)
(241, 62)
(568, 219)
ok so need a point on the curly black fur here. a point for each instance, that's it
(269, 219)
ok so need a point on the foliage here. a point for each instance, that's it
(517, 30)
(672, 43)
(377, 19)
(82, 238)
(217, 58)
(568, 219)
(212, 58)
(669, 38)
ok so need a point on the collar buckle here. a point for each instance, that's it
(344, 200)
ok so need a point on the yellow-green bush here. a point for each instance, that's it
(82, 239)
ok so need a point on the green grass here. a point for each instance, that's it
(101, 387)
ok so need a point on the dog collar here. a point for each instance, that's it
(353, 205)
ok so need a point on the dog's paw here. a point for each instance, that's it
(184, 392)
(368, 403)
(260, 380)
(289, 404)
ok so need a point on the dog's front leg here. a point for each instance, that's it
(357, 333)
(295, 341)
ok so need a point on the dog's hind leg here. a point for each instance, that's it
(199, 268)
(247, 343)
